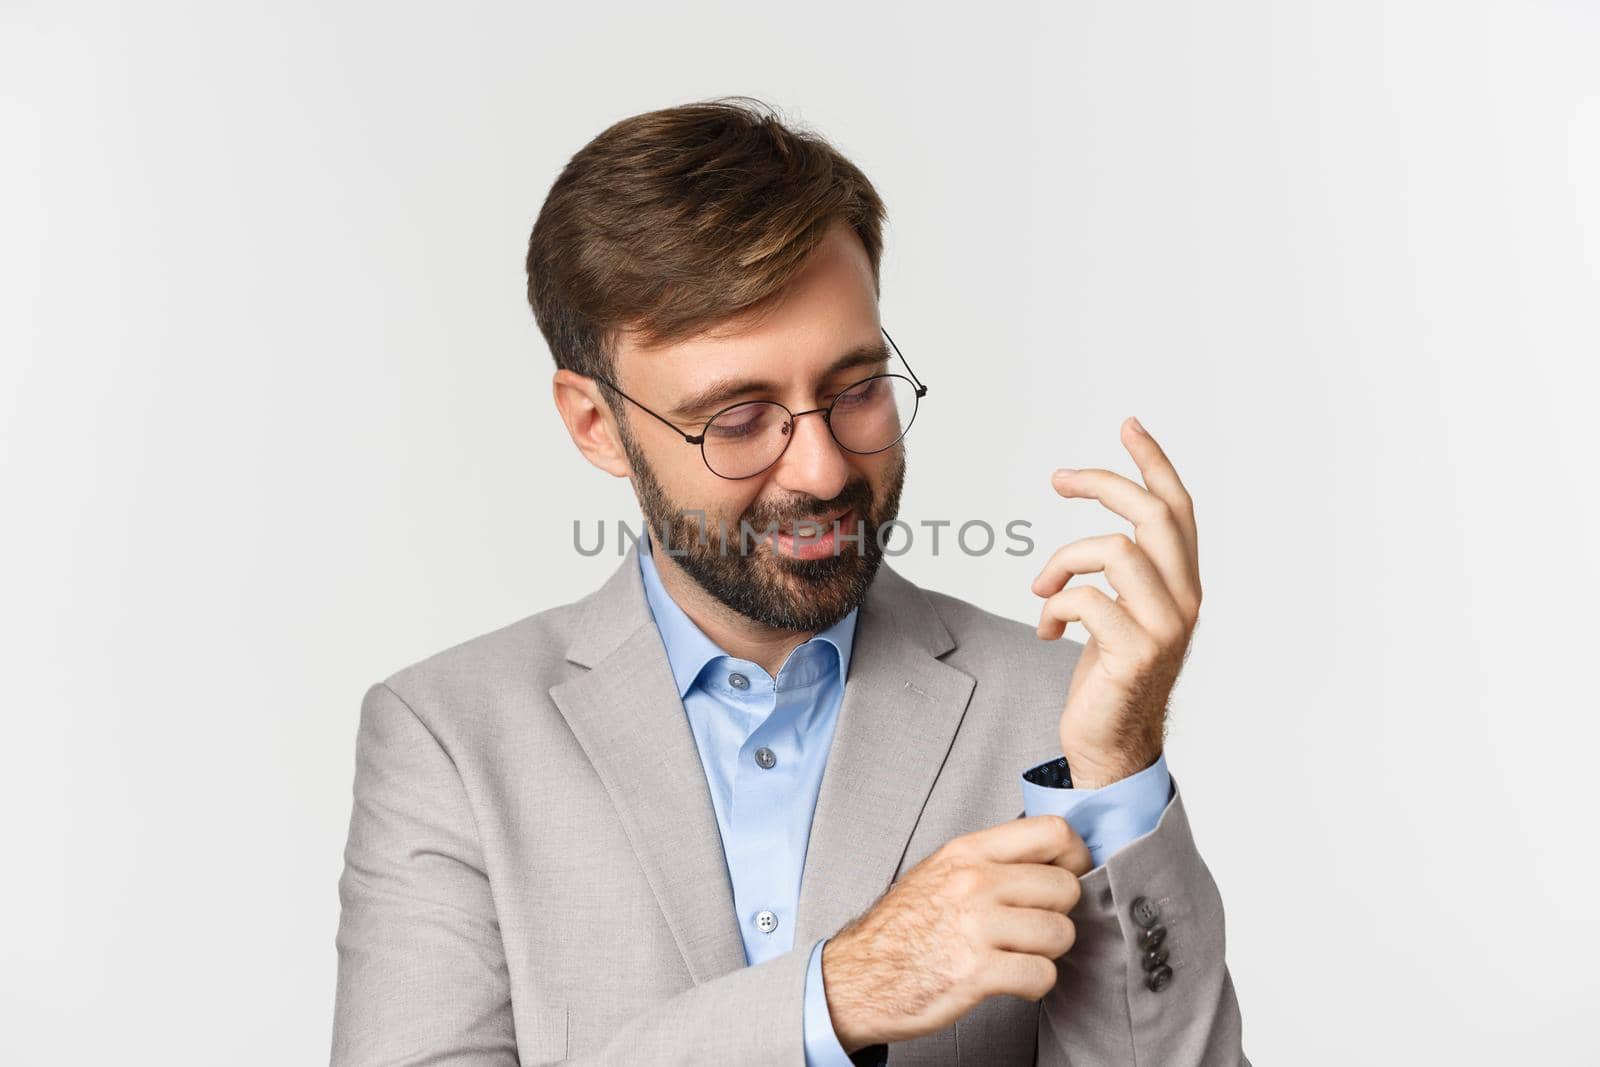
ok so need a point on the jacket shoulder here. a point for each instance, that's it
(525, 656)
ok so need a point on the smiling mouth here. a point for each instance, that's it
(816, 527)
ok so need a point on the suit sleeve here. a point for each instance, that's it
(1146, 980)
(422, 974)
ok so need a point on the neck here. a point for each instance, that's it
(738, 634)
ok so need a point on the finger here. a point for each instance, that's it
(1142, 591)
(1033, 839)
(1039, 885)
(1044, 933)
(1155, 527)
(1074, 857)
(1021, 974)
(1162, 478)
(1105, 620)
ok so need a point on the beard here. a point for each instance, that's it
(767, 586)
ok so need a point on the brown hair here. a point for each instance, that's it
(672, 221)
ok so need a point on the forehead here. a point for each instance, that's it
(829, 308)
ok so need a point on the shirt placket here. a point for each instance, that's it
(765, 851)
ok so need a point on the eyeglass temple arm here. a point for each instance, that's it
(692, 438)
(922, 390)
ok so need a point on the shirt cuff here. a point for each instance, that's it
(821, 1043)
(1106, 818)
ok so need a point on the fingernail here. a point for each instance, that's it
(1137, 425)
(1065, 472)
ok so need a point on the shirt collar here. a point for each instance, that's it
(688, 647)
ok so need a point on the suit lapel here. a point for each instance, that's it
(626, 713)
(901, 708)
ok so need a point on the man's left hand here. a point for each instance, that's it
(1115, 716)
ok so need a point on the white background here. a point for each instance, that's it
(275, 422)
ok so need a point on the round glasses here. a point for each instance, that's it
(744, 439)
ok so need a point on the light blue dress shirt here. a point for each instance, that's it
(764, 743)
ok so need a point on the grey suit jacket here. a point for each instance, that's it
(534, 872)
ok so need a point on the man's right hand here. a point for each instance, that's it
(985, 914)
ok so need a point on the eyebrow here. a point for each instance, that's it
(720, 392)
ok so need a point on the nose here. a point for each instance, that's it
(813, 463)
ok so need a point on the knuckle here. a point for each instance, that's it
(966, 880)
(958, 849)
(985, 974)
(1150, 651)
(1080, 597)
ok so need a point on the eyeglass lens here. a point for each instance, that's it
(868, 417)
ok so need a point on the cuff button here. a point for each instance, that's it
(1156, 957)
(1159, 979)
(1145, 912)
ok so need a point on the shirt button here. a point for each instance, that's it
(766, 758)
(766, 922)
(1145, 912)
(738, 681)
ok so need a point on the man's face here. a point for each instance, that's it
(828, 311)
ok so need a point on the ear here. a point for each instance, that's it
(590, 423)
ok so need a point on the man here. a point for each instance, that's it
(756, 799)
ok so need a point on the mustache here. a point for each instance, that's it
(856, 497)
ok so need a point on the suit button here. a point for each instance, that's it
(1145, 912)
(766, 758)
(1159, 978)
(766, 921)
(1152, 938)
(1154, 958)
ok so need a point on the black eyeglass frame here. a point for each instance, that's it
(699, 439)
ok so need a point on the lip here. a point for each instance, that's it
(819, 546)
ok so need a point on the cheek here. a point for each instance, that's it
(880, 469)
(690, 483)
(721, 500)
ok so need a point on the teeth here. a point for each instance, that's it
(811, 528)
